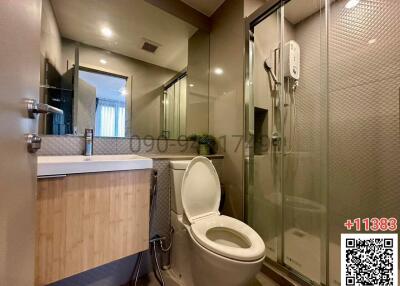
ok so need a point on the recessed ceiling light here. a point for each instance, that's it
(352, 4)
(191, 85)
(103, 61)
(107, 32)
(371, 41)
(218, 71)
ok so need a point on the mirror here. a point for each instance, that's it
(123, 68)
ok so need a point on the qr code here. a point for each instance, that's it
(369, 259)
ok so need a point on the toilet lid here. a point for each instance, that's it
(201, 191)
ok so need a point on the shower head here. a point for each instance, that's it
(267, 66)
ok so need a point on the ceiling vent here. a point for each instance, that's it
(150, 47)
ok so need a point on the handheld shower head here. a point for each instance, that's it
(268, 69)
(267, 66)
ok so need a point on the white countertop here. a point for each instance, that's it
(63, 165)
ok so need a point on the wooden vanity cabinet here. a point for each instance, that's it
(86, 220)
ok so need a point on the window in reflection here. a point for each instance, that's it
(102, 95)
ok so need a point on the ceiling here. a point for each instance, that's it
(107, 86)
(298, 10)
(132, 21)
(207, 7)
(295, 10)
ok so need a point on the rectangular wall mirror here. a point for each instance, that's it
(124, 69)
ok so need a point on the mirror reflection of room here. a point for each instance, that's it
(117, 68)
(105, 102)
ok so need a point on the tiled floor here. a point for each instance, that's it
(150, 280)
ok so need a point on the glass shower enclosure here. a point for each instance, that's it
(173, 108)
(322, 127)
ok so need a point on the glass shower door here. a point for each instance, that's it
(287, 102)
(357, 119)
(304, 121)
(265, 196)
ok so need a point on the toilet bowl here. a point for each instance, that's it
(223, 250)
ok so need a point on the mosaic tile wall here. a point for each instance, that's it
(75, 145)
(364, 109)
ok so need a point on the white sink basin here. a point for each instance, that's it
(63, 165)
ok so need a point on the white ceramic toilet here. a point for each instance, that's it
(208, 248)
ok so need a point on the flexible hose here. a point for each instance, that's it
(153, 197)
(290, 101)
(170, 243)
(156, 266)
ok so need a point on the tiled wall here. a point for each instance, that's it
(364, 142)
(75, 145)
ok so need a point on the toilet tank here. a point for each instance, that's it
(177, 169)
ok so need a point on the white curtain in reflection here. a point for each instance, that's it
(110, 118)
(121, 122)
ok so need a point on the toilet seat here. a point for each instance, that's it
(201, 190)
(223, 235)
(228, 237)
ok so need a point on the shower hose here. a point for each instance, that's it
(153, 241)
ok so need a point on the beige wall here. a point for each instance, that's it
(86, 115)
(50, 39)
(226, 97)
(50, 49)
(226, 102)
(145, 83)
(252, 5)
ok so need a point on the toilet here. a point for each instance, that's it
(208, 248)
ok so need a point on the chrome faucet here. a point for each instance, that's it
(88, 142)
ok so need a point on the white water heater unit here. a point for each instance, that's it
(291, 60)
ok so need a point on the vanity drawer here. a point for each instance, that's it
(86, 220)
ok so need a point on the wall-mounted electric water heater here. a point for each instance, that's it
(291, 60)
